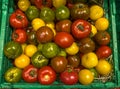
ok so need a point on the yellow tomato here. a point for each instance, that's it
(50, 24)
(37, 23)
(86, 77)
(23, 4)
(93, 31)
(89, 60)
(22, 61)
(23, 46)
(30, 50)
(73, 49)
(96, 12)
(102, 24)
(103, 67)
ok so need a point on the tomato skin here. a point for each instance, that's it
(63, 39)
(18, 19)
(103, 52)
(69, 77)
(19, 35)
(46, 75)
(29, 74)
(81, 29)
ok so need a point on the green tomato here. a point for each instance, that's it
(12, 50)
(40, 45)
(38, 60)
(47, 14)
(32, 12)
(13, 75)
(62, 13)
(94, 72)
(50, 50)
(62, 53)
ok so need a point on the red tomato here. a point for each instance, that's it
(63, 39)
(18, 19)
(42, 3)
(19, 35)
(30, 73)
(103, 52)
(46, 75)
(69, 77)
(81, 29)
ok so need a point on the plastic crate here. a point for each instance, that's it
(118, 32)
(7, 9)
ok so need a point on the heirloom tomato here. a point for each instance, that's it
(13, 75)
(29, 74)
(103, 52)
(19, 35)
(63, 39)
(12, 49)
(46, 75)
(80, 28)
(18, 19)
(69, 77)
(59, 63)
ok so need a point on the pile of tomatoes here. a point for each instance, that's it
(58, 39)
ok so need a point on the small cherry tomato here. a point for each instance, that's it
(81, 29)
(19, 35)
(29, 74)
(63, 39)
(103, 52)
(69, 77)
(42, 3)
(59, 63)
(46, 75)
(102, 38)
(18, 19)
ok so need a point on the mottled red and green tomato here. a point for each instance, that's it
(59, 63)
(80, 11)
(44, 34)
(102, 38)
(86, 45)
(73, 60)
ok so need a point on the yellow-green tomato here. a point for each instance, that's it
(73, 49)
(23, 4)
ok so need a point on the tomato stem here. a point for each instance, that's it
(33, 73)
(80, 27)
(19, 17)
(15, 35)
